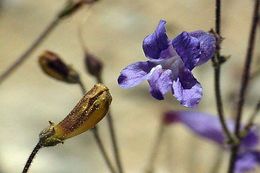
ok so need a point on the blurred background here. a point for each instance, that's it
(114, 32)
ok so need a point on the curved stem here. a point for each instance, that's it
(217, 73)
(21, 59)
(97, 136)
(113, 136)
(244, 83)
(102, 149)
(31, 157)
(155, 149)
(82, 87)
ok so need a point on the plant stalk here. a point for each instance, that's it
(31, 157)
(21, 59)
(113, 135)
(96, 134)
(217, 72)
(244, 83)
(155, 149)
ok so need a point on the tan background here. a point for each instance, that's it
(114, 32)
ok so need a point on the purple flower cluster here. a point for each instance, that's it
(209, 127)
(170, 63)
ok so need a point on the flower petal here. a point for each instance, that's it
(207, 45)
(155, 43)
(160, 81)
(202, 124)
(194, 48)
(187, 89)
(134, 74)
(247, 161)
(209, 127)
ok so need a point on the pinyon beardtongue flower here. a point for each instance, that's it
(209, 127)
(170, 63)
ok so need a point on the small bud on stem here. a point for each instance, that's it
(53, 66)
(93, 65)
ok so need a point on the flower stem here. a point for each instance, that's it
(217, 72)
(251, 120)
(155, 149)
(66, 11)
(109, 115)
(244, 82)
(21, 59)
(113, 135)
(97, 136)
(102, 149)
(31, 157)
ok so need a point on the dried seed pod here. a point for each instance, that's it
(85, 115)
(54, 67)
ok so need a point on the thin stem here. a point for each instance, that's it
(80, 30)
(244, 82)
(251, 120)
(217, 73)
(255, 74)
(82, 87)
(113, 136)
(21, 59)
(109, 115)
(97, 136)
(102, 149)
(31, 157)
(155, 149)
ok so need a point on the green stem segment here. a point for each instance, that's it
(97, 136)
(244, 83)
(31, 157)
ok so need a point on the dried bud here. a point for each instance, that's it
(86, 114)
(93, 64)
(53, 66)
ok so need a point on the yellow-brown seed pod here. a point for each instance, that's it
(85, 115)
(53, 66)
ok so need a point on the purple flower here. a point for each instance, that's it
(170, 63)
(209, 127)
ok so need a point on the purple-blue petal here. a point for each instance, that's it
(155, 43)
(194, 48)
(134, 74)
(202, 124)
(247, 161)
(160, 82)
(187, 89)
(251, 140)
(209, 127)
(207, 45)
